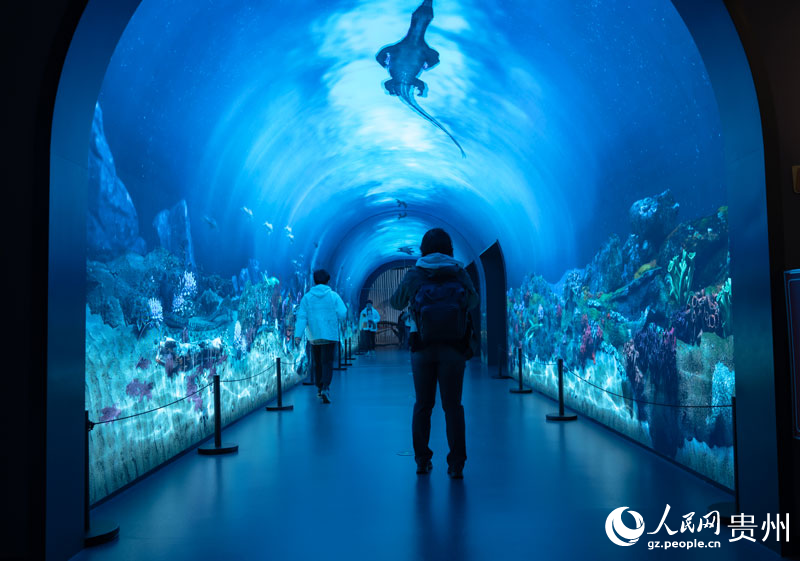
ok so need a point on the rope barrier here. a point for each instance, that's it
(150, 410)
(649, 402)
(676, 406)
(92, 424)
(267, 369)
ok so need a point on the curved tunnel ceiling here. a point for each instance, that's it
(567, 111)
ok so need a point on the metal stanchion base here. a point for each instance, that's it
(100, 531)
(346, 364)
(726, 512)
(308, 382)
(279, 407)
(523, 390)
(211, 450)
(337, 369)
(557, 417)
(500, 377)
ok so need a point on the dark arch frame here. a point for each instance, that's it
(94, 40)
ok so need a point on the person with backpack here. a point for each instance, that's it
(440, 294)
(368, 323)
(320, 311)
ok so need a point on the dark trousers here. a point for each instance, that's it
(323, 364)
(367, 340)
(445, 365)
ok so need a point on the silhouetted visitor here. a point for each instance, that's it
(403, 326)
(439, 293)
(321, 310)
(368, 324)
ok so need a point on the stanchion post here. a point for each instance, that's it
(728, 509)
(280, 406)
(347, 356)
(521, 389)
(339, 352)
(219, 448)
(102, 531)
(561, 415)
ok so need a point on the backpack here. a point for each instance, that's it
(440, 311)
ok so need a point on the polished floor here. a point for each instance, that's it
(333, 482)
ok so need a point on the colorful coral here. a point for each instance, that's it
(156, 311)
(701, 315)
(139, 389)
(591, 338)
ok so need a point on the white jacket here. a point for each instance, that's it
(368, 320)
(321, 310)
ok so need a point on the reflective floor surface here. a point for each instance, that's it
(333, 482)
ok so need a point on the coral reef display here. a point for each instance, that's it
(158, 329)
(140, 356)
(645, 334)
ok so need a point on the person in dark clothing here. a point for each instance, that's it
(433, 361)
(400, 329)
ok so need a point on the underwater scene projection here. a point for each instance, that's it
(644, 331)
(159, 327)
(238, 145)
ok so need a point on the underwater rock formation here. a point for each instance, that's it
(707, 238)
(112, 226)
(604, 273)
(174, 233)
(652, 218)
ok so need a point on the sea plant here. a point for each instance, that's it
(679, 277)
(724, 301)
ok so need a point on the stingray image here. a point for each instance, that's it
(405, 61)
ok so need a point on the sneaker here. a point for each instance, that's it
(424, 468)
(326, 397)
(456, 472)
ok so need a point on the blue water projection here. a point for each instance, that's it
(563, 108)
(274, 123)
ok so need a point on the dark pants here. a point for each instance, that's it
(323, 364)
(445, 365)
(368, 340)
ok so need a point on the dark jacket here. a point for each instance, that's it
(430, 267)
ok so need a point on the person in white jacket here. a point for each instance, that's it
(368, 324)
(320, 312)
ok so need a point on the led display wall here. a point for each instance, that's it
(238, 145)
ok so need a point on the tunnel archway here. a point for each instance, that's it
(95, 40)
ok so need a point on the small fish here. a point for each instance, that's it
(268, 226)
(406, 249)
(247, 211)
(143, 364)
(288, 229)
(291, 237)
(316, 245)
(401, 203)
(402, 215)
(211, 222)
